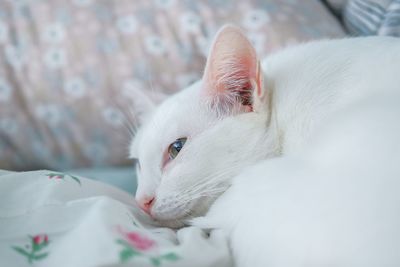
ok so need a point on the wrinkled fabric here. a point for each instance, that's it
(373, 17)
(56, 219)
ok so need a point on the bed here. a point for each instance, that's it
(64, 107)
(59, 219)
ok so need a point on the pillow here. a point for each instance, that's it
(73, 73)
(336, 5)
(373, 17)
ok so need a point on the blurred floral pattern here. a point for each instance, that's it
(135, 244)
(67, 67)
(33, 251)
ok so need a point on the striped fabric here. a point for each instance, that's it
(373, 17)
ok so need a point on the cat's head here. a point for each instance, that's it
(190, 146)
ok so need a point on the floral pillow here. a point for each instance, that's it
(71, 71)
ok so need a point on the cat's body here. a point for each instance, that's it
(335, 204)
(306, 140)
(313, 80)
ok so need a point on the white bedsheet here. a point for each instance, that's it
(54, 219)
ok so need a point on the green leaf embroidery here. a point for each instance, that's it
(76, 179)
(21, 251)
(125, 255)
(40, 256)
(170, 256)
(155, 261)
(123, 242)
(35, 247)
(128, 253)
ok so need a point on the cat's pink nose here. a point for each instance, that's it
(145, 203)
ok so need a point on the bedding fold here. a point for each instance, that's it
(56, 219)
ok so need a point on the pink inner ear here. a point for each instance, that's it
(231, 66)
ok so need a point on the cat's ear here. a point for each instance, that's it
(233, 74)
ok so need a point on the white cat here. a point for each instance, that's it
(305, 146)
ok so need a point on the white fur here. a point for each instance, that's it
(335, 204)
(330, 195)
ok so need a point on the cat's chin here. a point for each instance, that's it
(198, 209)
(174, 224)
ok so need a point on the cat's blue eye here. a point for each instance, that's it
(175, 147)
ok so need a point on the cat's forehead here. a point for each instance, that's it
(180, 115)
(174, 113)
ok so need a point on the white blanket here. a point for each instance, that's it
(55, 219)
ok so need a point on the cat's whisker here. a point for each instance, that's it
(149, 80)
(207, 189)
(203, 192)
(188, 197)
(212, 180)
(128, 116)
(132, 121)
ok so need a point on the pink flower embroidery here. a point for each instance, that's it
(34, 251)
(55, 176)
(62, 176)
(135, 244)
(39, 239)
(137, 240)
